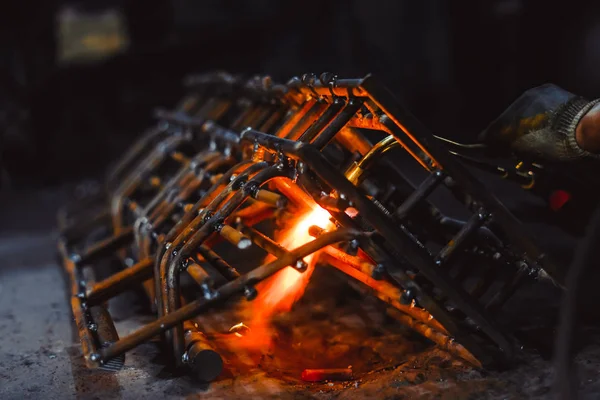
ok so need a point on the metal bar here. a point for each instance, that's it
(355, 262)
(429, 164)
(342, 87)
(179, 118)
(221, 133)
(88, 346)
(229, 272)
(353, 140)
(272, 120)
(305, 121)
(271, 198)
(333, 203)
(119, 282)
(206, 363)
(327, 134)
(384, 291)
(461, 238)
(483, 232)
(323, 121)
(265, 242)
(244, 168)
(234, 237)
(421, 192)
(169, 265)
(292, 118)
(202, 278)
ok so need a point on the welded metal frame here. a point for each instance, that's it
(302, 120)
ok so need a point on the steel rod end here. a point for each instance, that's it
(206, 364)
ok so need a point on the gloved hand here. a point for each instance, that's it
(547, 123)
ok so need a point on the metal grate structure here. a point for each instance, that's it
(239, 157)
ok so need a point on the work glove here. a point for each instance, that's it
(540, 126)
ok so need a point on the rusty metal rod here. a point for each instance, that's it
(444, 341)
(169, 268)
(229, 272)
(234, 237)
(119, 282)
(271, 198)
(88, 347)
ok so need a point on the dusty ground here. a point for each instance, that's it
(40, 357)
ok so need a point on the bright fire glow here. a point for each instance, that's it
(279, 293)
(283, 289)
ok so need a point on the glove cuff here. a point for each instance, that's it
(565, 123)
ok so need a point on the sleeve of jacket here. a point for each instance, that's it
(541, 123)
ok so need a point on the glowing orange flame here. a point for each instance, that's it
(279, 293)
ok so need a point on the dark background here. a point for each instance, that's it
(456, 64)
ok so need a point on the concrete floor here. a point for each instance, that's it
(40, 356)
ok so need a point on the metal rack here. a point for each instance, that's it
(257, 151)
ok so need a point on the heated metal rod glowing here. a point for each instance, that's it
(271, 198)
(331, 374)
